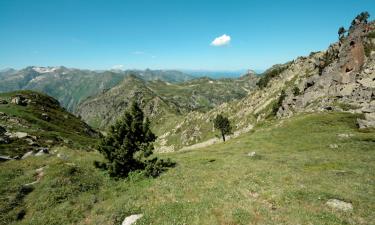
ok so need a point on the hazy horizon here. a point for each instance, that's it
(194, 35)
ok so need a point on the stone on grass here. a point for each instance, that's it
(5, 158)
(27, 154)
(251, 154)
(42, 151)
(333, 146)
(20, 135)
(339, 205)
(131, 219)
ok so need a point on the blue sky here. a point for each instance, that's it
(168, 34)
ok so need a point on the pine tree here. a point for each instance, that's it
(222, 123)
(128, 144)
(341, 32)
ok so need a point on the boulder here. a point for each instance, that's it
(368, 122)
(131, 219)
(333, 146)
(251, 154)
(20, 135)
(19, 100)
(3, 102)
(27, 154)
(42, 151)
(5, 158)
(339, 205)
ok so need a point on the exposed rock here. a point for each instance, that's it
(345, 135)
(19, 135)
(339, 205)
(62, 156)
(3, 102)
(19, 100)
(333, 146)
(27, 154)
(5, 158)
(368, 122)
(132, 219)
(42, 151)
(251, 154)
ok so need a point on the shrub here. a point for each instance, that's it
(271, 73)
(278, 103)
(296, 91)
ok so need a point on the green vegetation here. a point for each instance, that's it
(271, 73)
(278, 103)
(222, 123)
(296, 91)
(341, 32)
(129, 145)
(61, 128)
(289, 182)
(369, 47)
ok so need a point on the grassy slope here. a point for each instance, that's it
(289, 181)
(62, 126)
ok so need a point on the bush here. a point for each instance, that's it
(296, 91)
(278, 103)
(271, 73)
(156, 166)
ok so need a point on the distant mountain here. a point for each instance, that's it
(163, 100)
(219, 73)
(70, 86)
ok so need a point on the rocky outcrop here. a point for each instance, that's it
(342, 78)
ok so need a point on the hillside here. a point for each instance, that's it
(71, 86)
(31, 121)
(161, 100)
(300, 165)
(338, 79)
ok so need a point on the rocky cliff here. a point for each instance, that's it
(342, 78)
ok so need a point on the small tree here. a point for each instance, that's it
(363, 17)
(341, 32)
(129, 144)
(222, 123)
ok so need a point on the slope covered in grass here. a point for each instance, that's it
(288, 181)
(43, 120)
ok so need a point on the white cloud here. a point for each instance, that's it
(222, 40)
(117, 67)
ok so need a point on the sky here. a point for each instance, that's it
(169, 34)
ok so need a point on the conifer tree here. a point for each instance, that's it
(128, 144)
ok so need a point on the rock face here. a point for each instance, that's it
(342, 78)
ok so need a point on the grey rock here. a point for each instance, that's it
(333, 146)
(132, 219)
(3, 102)
(5, 158)
(251, 154)
(27, 154)
(42, 151)
(339, 205)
